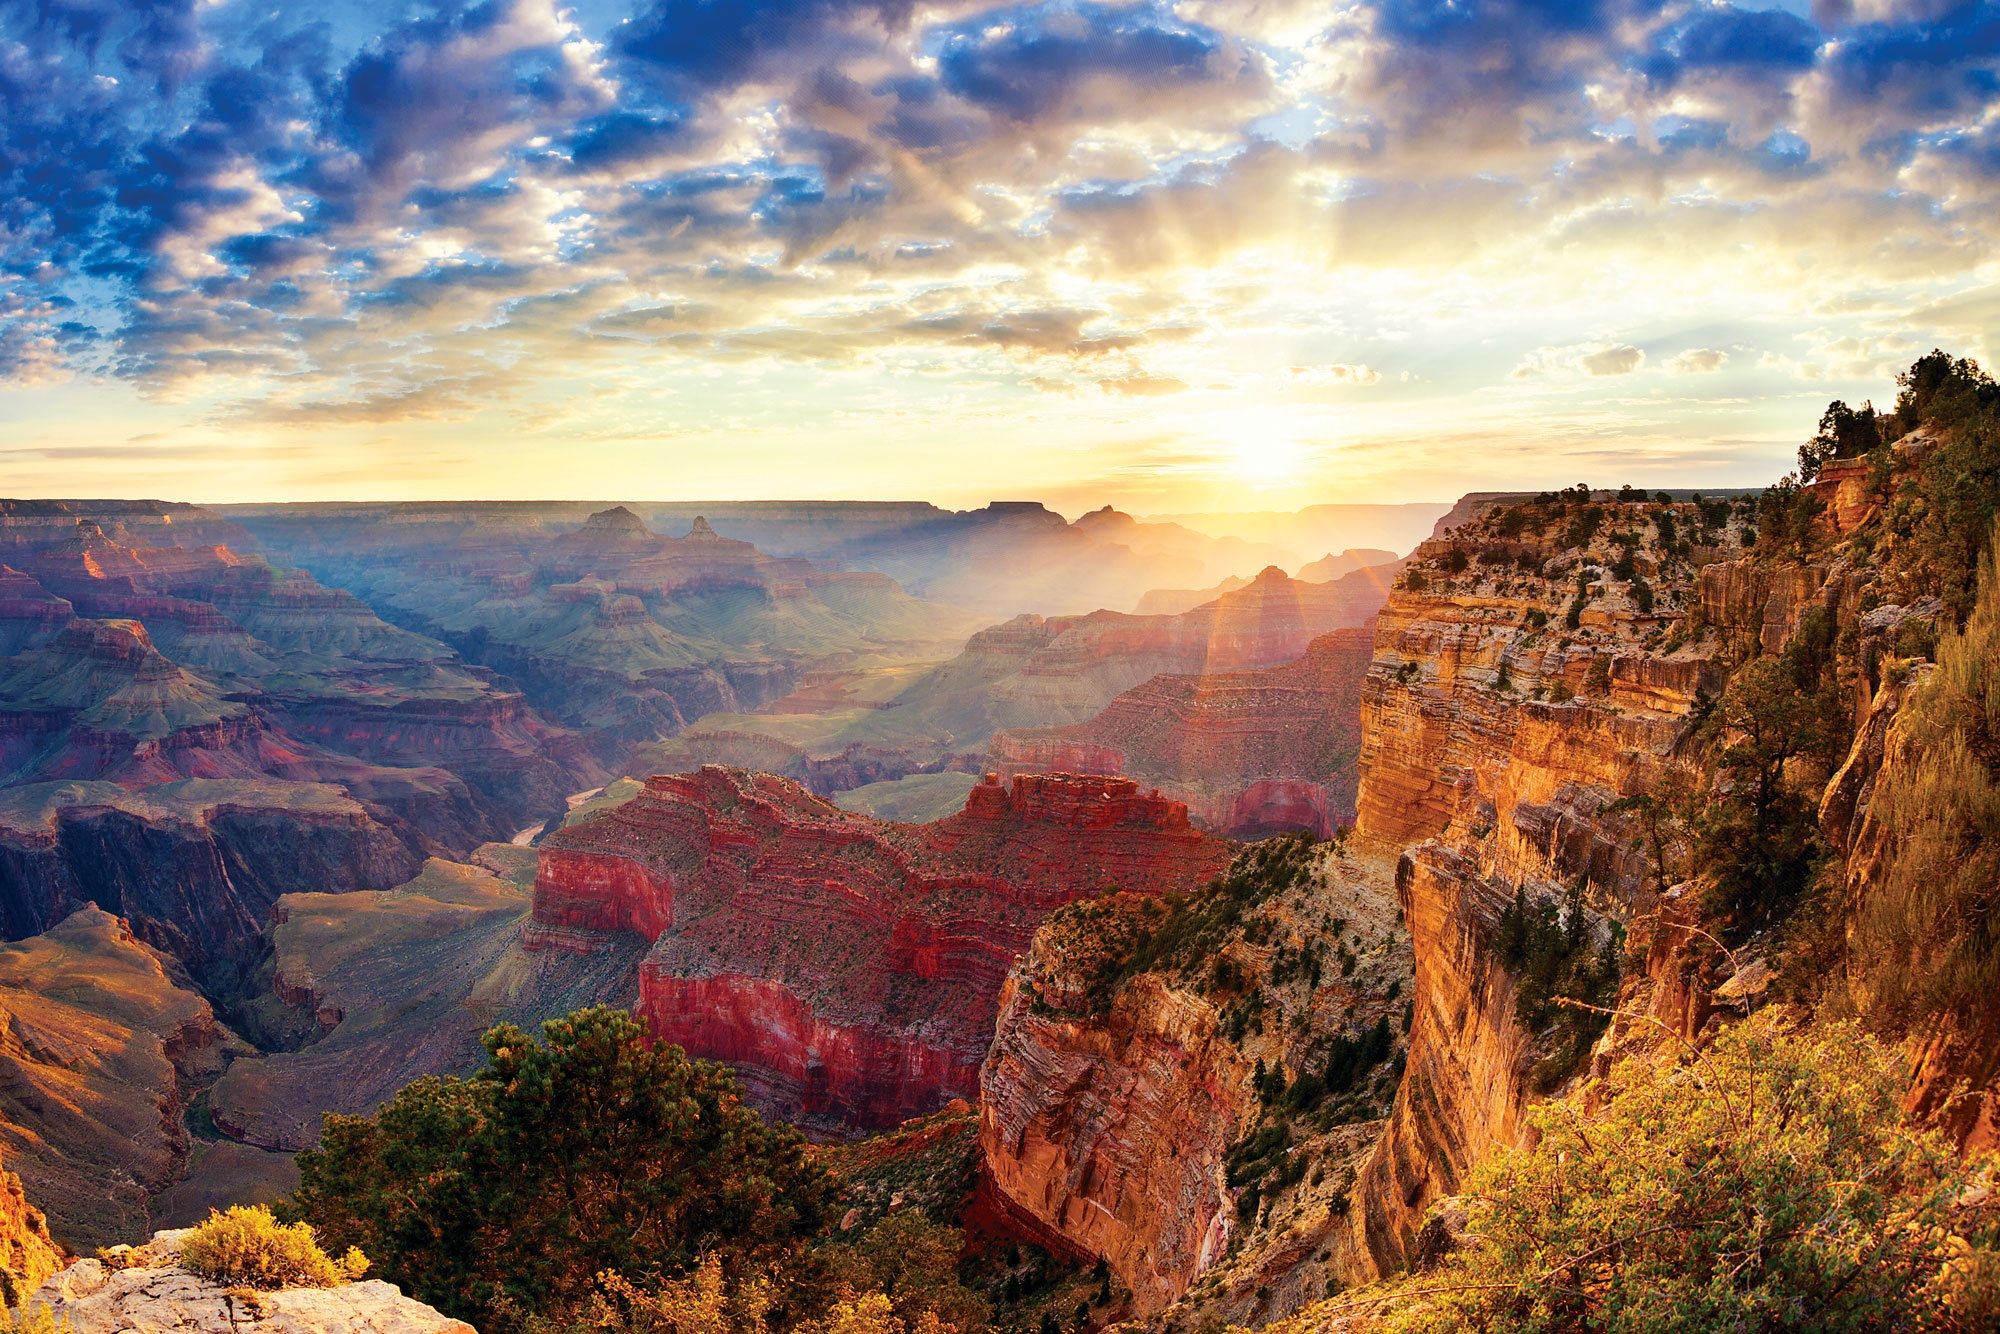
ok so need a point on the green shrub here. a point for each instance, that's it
(1770, 1184)
(1926, 942)
(499, 1199)
(245, 1246)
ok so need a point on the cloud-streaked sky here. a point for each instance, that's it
(1216, 253)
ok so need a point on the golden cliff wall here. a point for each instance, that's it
(1496, 738)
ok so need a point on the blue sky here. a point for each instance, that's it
(1221, 252)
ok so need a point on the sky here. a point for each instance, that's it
(1170, 256)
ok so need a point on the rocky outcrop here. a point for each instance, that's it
(1252, 753)
(847, 966)
(145, 1288)
(104, 1051)
(1109, 1123)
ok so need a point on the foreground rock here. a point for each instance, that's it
(154, 1293)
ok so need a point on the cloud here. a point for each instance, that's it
(1620, 360)
(1697, 361)
(379, 214)
(1594, 360)
(1140, 385)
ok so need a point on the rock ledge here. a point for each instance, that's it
(153, 1293)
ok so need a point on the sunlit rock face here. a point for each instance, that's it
(849, 967)
(1252, 753)
(104, 1052)
(1497, 734)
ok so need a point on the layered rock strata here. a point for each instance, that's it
(847, 966)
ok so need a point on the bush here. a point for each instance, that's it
(1770, 1185)
(500, 1199)
(245, 1246)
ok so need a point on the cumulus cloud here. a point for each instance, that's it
(1697, 361)
(1591, 360)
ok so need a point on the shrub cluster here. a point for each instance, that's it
(246, 1246)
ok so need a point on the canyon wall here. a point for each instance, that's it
(847, 966)
(1530, 678)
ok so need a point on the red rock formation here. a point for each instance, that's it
(1251, 753)
(848, 966)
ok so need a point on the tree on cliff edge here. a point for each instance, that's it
(502, 1197)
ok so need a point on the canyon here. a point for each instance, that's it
(187, 732)
(1241, 1077)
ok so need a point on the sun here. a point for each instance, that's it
(1264, 449)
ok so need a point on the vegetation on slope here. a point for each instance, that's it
(1768, 1184)
(1926, 938)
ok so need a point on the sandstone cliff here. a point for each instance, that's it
(848, 967)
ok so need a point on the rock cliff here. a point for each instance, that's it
(1527, 676)
(1185, 1092)
(847, 966)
